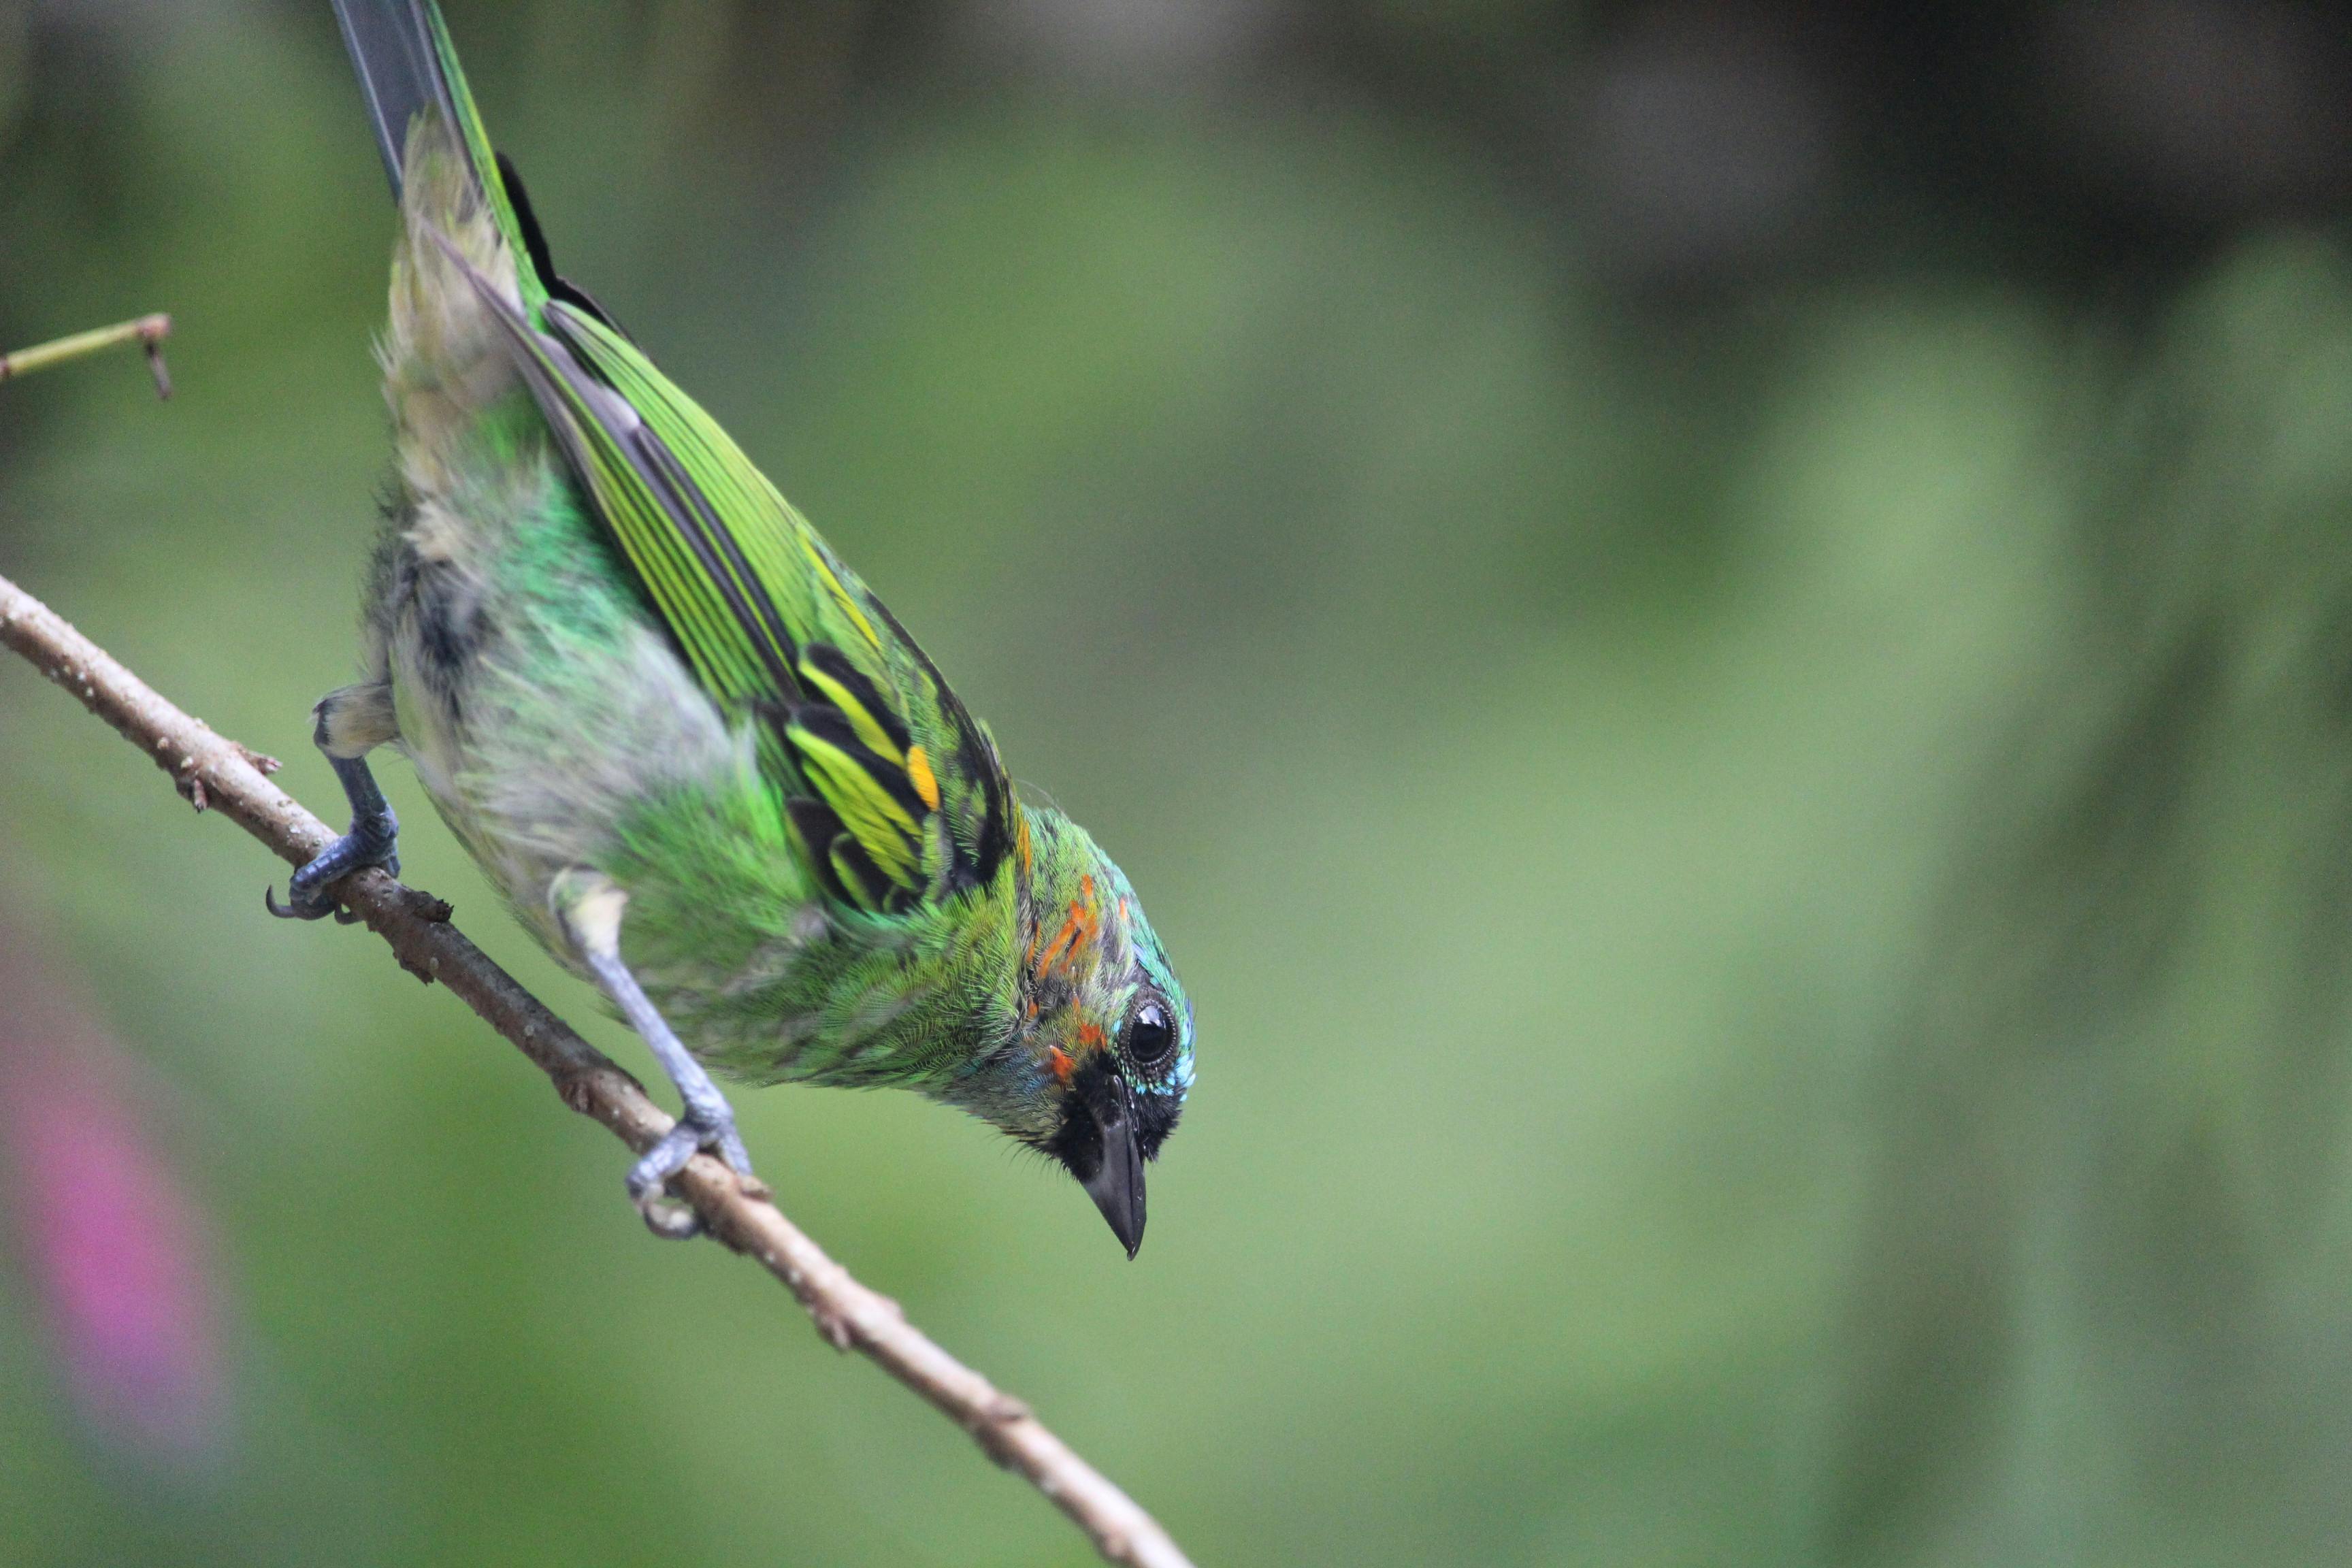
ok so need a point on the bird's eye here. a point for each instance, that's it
(1150, 1038)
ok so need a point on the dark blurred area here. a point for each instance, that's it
(1722, 636)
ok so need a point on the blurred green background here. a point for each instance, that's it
(1721, 636)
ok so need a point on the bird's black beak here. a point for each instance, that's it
(1116, 1186)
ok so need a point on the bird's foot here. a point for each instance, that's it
(707, 1124)
(373, 841)
(592, 908)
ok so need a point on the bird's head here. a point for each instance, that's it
(1106, 1031)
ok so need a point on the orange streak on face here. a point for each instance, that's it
(918, 771)
(1062, 1065)
(1090, 1034)
(1080, 926)
(1066, 938)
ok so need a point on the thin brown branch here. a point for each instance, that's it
(147, 331)
(216, 772)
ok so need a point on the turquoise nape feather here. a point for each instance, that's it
(694, 754)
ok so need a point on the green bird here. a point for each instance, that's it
(696, 754)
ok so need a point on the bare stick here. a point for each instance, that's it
(214, 771)
(147, 332)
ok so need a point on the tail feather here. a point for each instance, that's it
(392, 48)
(408, 67)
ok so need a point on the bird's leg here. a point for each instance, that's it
(350, 722)
(591, 907)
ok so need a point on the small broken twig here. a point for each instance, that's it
(147, 332)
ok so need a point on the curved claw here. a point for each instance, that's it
(649, 1178)
(295, 911)
(669, 1218)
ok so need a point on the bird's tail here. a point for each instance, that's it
(407, 68)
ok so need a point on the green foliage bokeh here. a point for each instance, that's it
(1765, 911)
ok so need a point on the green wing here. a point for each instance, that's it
(894, 792)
